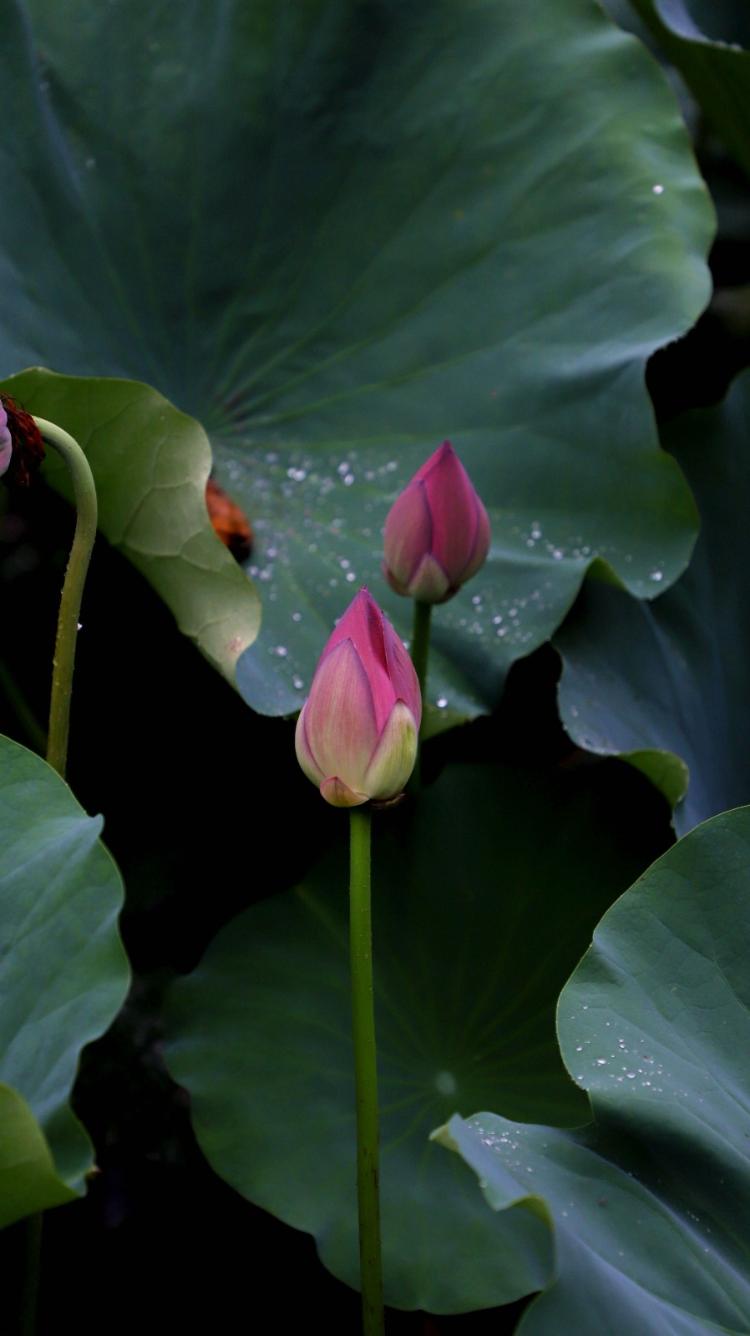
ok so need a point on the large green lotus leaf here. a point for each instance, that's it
(717, 72)
(485, 896)
(665, 683)
(63, 977)
(339, 233)
(150, 464)
(650, 1206)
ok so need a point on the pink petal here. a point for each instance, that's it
(453, 506)
(6, 454)
(340, 724)
(403, 677)
(6, 443)
(408, 532)
(481, 543)
(304, 750)
(444, 451)
(363, 624)
(352, 625)
(395, 584)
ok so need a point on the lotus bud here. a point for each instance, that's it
(21, 444)
(437, 532)
(6, 444)
(358, 730)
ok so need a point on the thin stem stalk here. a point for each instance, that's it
(59, 721)
(420, 645)
(72, 591)
(365, 1071)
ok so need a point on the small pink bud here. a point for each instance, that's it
(357, 732)
(6, 444)
(437, 532)
(21, 444)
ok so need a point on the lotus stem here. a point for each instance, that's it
(72, 591)
(420, 647)
(365, 1071)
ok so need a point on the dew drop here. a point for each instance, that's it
(441, 702)
(657, 190)
(656, 575)
(445, 1083)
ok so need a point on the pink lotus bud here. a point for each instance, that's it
(357, 732)
(6, 444)
(437, 533)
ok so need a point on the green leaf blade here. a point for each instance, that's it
(63, 971)
(338, 251)
(470, 950)
(650, 1203)
(150, 465)
(667, 680)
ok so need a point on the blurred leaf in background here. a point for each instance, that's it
(664, 684)
(63, 977)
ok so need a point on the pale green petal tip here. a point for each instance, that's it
(429, 584)
(395, 755)
(338, 794)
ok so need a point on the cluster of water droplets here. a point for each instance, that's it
(315, 545)
(626, 1060)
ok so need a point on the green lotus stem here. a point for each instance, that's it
(72, 591)
(63, 664)
(420, 647)
(365, 1073)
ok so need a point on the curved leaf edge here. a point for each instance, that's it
(214, 602)
(29, 1181)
